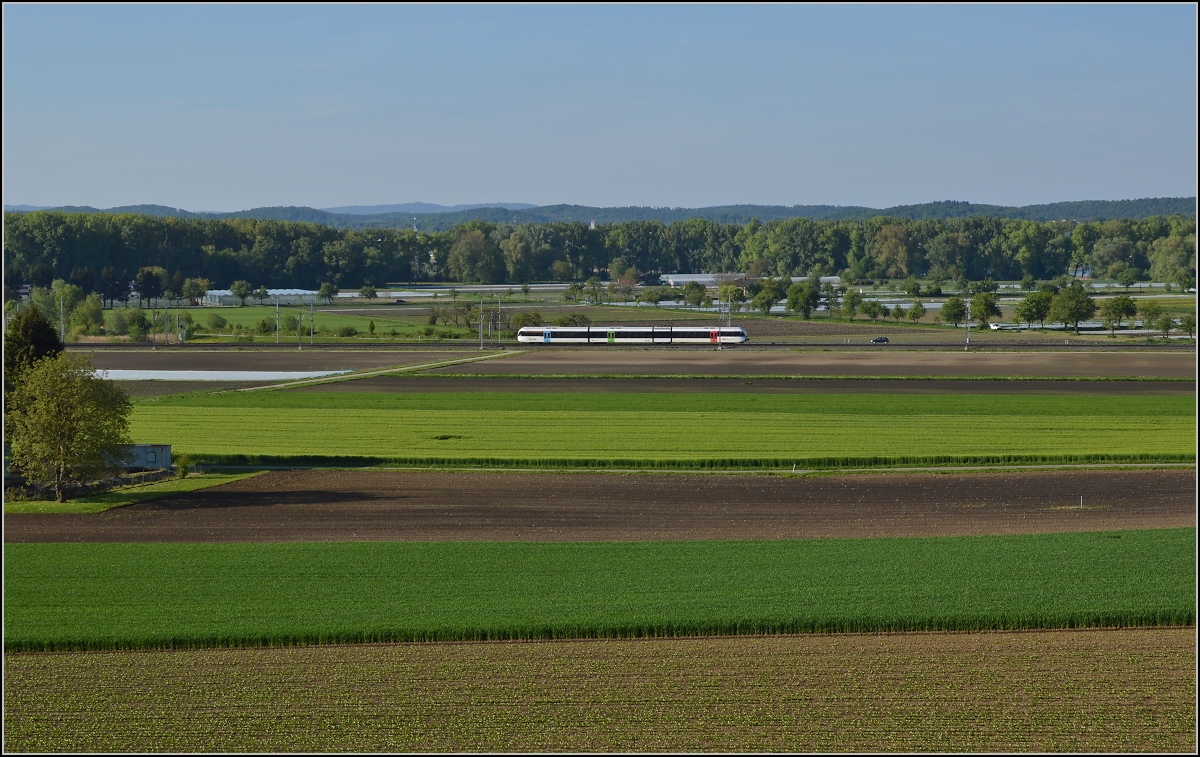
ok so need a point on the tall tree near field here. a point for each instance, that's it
(29, 337)
(954, 311)
(984, 308)
(66, 424)
(803, 297)
(151, 281)
(1072, 305)
(1035, 307)
(240, 289)
(917, 311)
(327, 292)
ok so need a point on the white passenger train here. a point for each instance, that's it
(632, 335)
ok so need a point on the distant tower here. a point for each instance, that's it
(414, 224)
(592, 225)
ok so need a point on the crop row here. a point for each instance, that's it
(1081, 690)
(95, 596)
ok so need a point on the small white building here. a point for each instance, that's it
(147, 456)
(284, 297)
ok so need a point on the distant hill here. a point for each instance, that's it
(447, 217)
(423, 207)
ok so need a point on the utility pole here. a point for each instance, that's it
(62, 321)
(312, 327)
(276, 319)
(300, 332)
(481, 323)
(968, 345)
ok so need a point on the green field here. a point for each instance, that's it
(127, 495)
(91, 596)
(667, 430)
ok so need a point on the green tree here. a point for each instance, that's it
(327, 292)
(262, 294)
(29, 337)
(954, 311)
(371, 328)
(195, 289)
(1035, 307)
(1165, 322)
(241, 289)
(368, 293)
(898, 312)
(693, 293)
(1188, 323)
(803, 297)
(765, 300)
(66, 424)
(851, 304)
(916, 312)
(475, 259)
(1072, 305)
(874, 310)
(151, 282)
(525, 293)
(984, 308)
(1119, 308)
(1128, 277)
(215, 322)
(652, 295)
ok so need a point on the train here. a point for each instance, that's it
(632, 335)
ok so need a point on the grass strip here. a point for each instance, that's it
(745, 463)
(128, 495)
(119, 596)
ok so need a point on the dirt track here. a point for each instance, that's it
(827, 363)
(420, 506)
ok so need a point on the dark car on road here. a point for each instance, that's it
(879, 340)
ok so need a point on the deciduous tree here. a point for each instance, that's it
(66, 424)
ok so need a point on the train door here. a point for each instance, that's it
(612, 337)
(661, 335)
(714, 336)
(546, 337)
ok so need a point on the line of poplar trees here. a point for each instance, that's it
(103, 252)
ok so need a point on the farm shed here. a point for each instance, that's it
(147, 456)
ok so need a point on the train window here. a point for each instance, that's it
(636, 334)
(571, 333)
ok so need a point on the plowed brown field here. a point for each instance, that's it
(420, 506)
(882, 362)
(1077, 690)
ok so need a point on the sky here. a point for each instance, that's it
(228, 107)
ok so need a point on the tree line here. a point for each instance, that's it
(103, 253)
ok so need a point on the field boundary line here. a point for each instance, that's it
(787, 472)
(382, 371)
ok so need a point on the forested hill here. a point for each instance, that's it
(1081, 211)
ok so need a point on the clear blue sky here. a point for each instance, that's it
(225, 107)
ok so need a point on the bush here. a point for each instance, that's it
(573, 319)
(427, 331)
(345, 331)
(525, 319)
(215, 322)
(266, 326)
(290, 323)
(183, 464)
